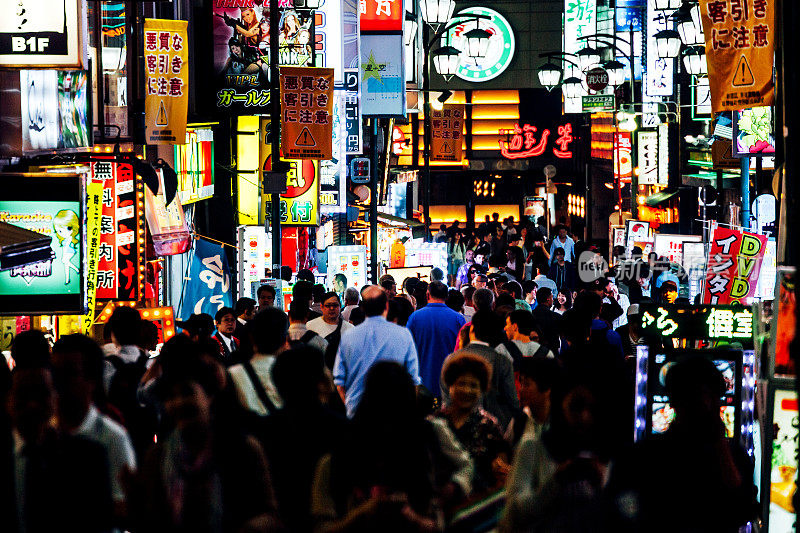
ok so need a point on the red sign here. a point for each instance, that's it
(524, 142)
(381, 15)
(597, 79)
(623, 161)
(734, 263)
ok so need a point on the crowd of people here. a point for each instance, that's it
(381, 409)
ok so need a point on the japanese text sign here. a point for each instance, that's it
(734, 263)
(209, 285)
(94, 211)
(446, 133)
(381, 15)
(527, 141)
(623, 159)
(300, 203)
(740, 49)
(647, 145)
(352, 111)
(712, 322)
(166, 73)
(307, 109)
(580, 20)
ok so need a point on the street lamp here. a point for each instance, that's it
(616, 72)
(664, 5)
(477, 43)
(409, 28)
(435, 12)
(588, 57)
(668, 44)
(446, 60)
(572, 87)
(694, 60)
(549, 75)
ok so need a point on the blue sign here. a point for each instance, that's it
(208, 288)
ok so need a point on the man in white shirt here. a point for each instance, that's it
(298, 332)
(351, 299)
(126, 325)
(518, 328)
(253, 378)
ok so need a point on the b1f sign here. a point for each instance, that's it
(43, 33)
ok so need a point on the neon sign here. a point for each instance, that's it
(710, 322)
(523, 143)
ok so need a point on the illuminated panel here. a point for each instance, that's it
(247, 180)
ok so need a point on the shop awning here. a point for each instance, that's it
(19, 246)
(391, 219)
(659, 197)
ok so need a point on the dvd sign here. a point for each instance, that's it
(597, 79)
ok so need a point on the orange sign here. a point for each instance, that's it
(740, 49)
(166, 69)
(381, 15)
(446, 128)
(306, 120)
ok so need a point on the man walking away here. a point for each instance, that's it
(298, 332)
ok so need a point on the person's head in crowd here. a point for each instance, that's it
(286, 273)
(589, 302)
(529, 290)
(78, 377)
(599, 287)
(442, 227)
(505, 299)
(331, 307)
(300, 377)
(126, 325)
(148, 337)
(374, 301)
(437, 274)
(544, 296)
(483, 300)
(455, 300)
(694, 386)
(357, 316)
(539, 377)
(389, 396)
(469, 256)
(486, 327)
(619, 252)
(197, 326)
(298, 312)
(270, 331)
(669, 292)
(468, 291)
(513, 288)
(480, 258)
(351, 296)
(466, 377)
(266, 296)
(302, 292)
(559, 256)
(576, 326)
(30, 349)
(32, 403)
(652, 260)
(503, 311)
(642, 273)
(245, 308)
(225, 320)
(480, 280)
(519, 324)
(421, 294)
(437, 292)
(317, 293)
(305, 274)
(564, 300)
(609, 313)
(390, 287)
(562, 232)
(339, 283)
(410, 285)
(386, 277)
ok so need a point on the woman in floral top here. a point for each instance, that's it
(466, 377)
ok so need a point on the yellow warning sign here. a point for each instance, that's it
(447, 126)
(305, 138)
(740, 52)
(307, 117)
(166, 70)
(743, 77)
(162, 119)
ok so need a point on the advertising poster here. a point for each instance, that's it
(659, 72)
(740, 48)
(446, 130)
(208, 288)
(43, 33)
(53, 108)
(752, 132)
(241, 52)
(647, 146)
(94, 210)
(637, 233)
(734, 263)
(166, 74)
(623, 158)
(783, 467)
(194, 164)
(307, 106)
(350, 261)
(535, 207)
(383, 82)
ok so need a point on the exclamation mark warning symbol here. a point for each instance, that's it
(744, 75)
(162, 119)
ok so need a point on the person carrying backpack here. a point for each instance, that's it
(298, 332)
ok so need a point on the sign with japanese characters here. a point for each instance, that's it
(348, 261)
(328, 38)
(598, 102)
(94, 211)
(254, 249)
(740, 51)
(446, 133)
(528, 141)
(43, 33)
(300, 202)
(118, 258)
(734, 263)
(166, 74)
(383, 78)
(659, 71)
(352, 112)
(647, 150)
(208, 287)
(711, 322)
(333, 171)
(671, 246)
(381, 15)
(306, 112)
(580, 20)
(623, 158)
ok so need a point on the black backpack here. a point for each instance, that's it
(140, 421)
(333, 338)
(305, 339)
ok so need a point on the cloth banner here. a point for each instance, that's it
(306, 121)
(208, 288)
(166, 70)
(734, 262)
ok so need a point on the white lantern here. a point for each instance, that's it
(549, 75)
(616, 72)
(588, 57)
(477, 43)
(686, 29)
(694, 60)
(446, 60)
(437, 11)
(698, 22)
(409, 29)
(668, 43)
(663, 5)
(572, 87)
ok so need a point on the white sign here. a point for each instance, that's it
(254, 251)
(43, 33)
(647, 148)
(769, 272)
(671, 246)
(659, 74)
(433, 254)
(350, 261)
(580, 19)
(663, 155)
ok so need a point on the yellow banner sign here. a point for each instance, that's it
(307, 113)
(446, 129)
(94, 210)
(740, 48)
(166, 72)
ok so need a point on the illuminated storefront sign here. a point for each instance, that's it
(733, 266)
(526, 141)
(714, 322)
(194, 164)
(580, 19)
(501, 44)
(381, 15)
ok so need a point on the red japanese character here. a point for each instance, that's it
(163, 40)
(323, 84)
(152, 63)
(741, 37)
(321, 117)
(717, 11)
(177, 64)
(151, 86)
(290, 99)
(563, 141)
(718, 43)
(163, 86)
(760, 32)
(739, 10)
(290, 83)
(150, 41)
(290, 115)
(163, 63)
(305, 116)
(322, 100)
(307, 83)
(760, 8)
(175, 87)
(177, 42)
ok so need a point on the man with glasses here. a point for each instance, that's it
(330, 325)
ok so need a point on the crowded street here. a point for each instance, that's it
(386, 266)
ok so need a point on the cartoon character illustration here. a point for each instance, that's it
(67, 227)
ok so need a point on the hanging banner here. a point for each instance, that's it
(307, 105)
(734, 263)
(194, 164)
(383, 79)
(446, 133)
(208, 288)
(659, 71)
(166, 66)
(740, 51)
(94, 211)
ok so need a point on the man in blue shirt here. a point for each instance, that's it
(434, 328)
(373, 340)
(562, 240)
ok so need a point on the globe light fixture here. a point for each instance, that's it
(435, 12)
(477, 43)
(572, 87)
(668, 44)
(616, 72)
(446, 60)
(549, 75)
(694, 60)
(588, 57)
(409, 29)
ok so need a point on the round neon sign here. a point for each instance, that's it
(501, 45)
